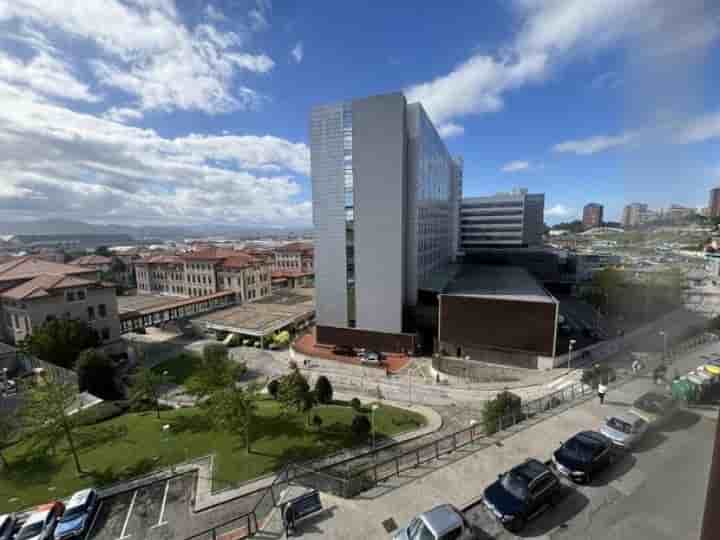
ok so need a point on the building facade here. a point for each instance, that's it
(33, 292)
(592, 215)
(714, 203)
(383, 188)
(205, 272)
(503, 220)
(295, 257)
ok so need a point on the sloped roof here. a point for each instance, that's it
(210, 253)
(31, 267)
(161, 259)
(91, 260)
(239, 260)
(303, 247)
(43, 284)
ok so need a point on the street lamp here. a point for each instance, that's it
(664, 336)
(373, 408)
(570, 351)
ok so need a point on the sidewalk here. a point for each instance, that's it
(462, 482)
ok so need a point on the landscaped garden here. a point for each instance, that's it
(135, 443)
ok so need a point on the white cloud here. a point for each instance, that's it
(57, 162)
(145, 49)
(450, 130)
(259, 16)
(593, 145)
(298, 52)
(515, 166)
(700, 129)
(214, 14)
(559, 211)
(551, 33)
(122, 114)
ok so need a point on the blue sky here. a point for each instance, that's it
(156, 111)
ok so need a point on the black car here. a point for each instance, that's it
(521, 493)
(583, 455)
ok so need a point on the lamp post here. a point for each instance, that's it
(664, 336)
(570, 351)
(373, 408)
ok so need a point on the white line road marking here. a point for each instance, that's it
(92, 525)
(127, 518)
(162, 508)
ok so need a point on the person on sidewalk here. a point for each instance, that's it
(602, 390)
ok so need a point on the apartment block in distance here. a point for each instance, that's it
(592, 215)
(384, 186)
(504, 220)
(34, 291)
(293, 265)
(204, 272)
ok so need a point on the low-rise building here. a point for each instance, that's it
(34, 291)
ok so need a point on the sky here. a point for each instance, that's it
(197, 112)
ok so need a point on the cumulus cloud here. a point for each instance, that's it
(58, 162)
(298, 52)
(144, 48)
(515, 166)
(449, 130)
(593, 145)
(559, 211)
(550, 34)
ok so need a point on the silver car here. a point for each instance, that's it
(444, 522)
(624, 429)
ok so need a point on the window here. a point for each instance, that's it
(70, 296)
(91, 313)
(105, 332)
(16, 321)
(81, 295)
(102, 311)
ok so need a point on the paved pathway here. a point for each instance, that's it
(461, 483)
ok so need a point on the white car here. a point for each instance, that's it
(39, 525)
(624, 429)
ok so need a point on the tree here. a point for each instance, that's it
(8, 428)
(282, 338)
(97, 374)
(233, 410)
(60, 341)
(323, 390)
(360, 426)
(293, 391)
(503, 404)
(216, 371)
(46, 414)
(145, 387)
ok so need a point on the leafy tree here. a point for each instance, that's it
(503, 404)
(97, 374)
(60, 341)
(282, 338)
(216, 371)
(360, 426)
(145, 387)
(323, 390)
(233, 410)
(293, 391)
(8, 430)
(46, 414)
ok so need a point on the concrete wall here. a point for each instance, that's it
(326, 159)
(380, 193)
(533, 222)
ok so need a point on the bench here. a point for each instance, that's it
(300, 507)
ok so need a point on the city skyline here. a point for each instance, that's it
(194, 115)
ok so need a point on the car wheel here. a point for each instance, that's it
(516, 525)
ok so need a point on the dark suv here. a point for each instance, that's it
(521, 493)
(583, 455)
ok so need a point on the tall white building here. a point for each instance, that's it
(504, 220)
(385, 197)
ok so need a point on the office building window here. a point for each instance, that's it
(105, 332)
(91, 313)
(102, 311)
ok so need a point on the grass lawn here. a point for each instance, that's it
(179, 368)
(134, 444)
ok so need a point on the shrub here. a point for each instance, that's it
(503, 404)
(273, 388)
(317, 421)
(355, 404)
(360, 426)
(323, 390)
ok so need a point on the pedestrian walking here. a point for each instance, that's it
(602, 390)
(289, 520)
(636, 366)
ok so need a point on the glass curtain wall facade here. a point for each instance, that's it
(349, 189)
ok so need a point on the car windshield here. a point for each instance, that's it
(73, 512)
(619, 425)
(30, 530)
(515, 485)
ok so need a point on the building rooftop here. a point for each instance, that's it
(31, 267)
(91, 260)
(499, 283)
(43, 285)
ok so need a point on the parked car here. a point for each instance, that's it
(372, 358)
(77, 516)
(624, 429)
(521, 494)
(584, 454)
(444, 522)
(8, 522)
(654, 408)
(40, 525)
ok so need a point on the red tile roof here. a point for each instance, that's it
(302, 247)
(31, 267)
(240, 260)
(161, 259)
(43, 284)
(91, 260)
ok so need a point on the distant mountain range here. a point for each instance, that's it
(62, 226)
